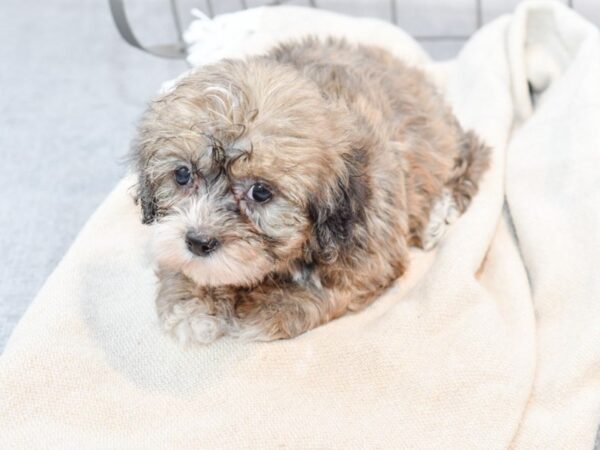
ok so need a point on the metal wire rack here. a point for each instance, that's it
(178, 49)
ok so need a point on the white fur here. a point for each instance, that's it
(443, 213)
(188, 322)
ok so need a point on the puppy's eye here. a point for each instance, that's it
(259, 193)
(182, 175)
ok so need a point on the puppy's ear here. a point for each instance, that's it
(144, 189)
(336, 214)
(147, 199)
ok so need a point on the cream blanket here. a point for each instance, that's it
(490, 341)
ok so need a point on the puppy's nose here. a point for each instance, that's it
(200, 244)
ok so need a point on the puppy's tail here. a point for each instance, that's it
(472, 161)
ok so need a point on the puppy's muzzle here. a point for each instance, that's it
(200, 244)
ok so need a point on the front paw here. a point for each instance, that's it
(189, 322)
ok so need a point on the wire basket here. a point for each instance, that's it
(178, 49)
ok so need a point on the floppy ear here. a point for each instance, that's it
(336, 214)
(147, 199)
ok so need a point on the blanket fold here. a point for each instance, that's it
(490, 341)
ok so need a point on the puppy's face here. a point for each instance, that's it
(239, 165)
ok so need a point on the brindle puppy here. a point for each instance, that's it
(285, 189)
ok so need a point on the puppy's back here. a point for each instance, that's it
(363, 77)
(401, 106)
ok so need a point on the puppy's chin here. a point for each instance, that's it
(235, 263)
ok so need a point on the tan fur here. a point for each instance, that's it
(356, 147)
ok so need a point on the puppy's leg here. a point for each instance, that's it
(443, 212)
(272, 312)
(188, 313)
(472, 161)
(470, 164)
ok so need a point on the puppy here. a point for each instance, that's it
(286, 189)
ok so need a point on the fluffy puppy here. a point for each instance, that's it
(285, 189)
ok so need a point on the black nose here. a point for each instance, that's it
(200, 244)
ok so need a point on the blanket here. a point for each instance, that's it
(490, 341)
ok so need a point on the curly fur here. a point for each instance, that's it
(363, 157)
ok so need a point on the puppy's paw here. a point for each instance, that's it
(443, 213)
(188, 322)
